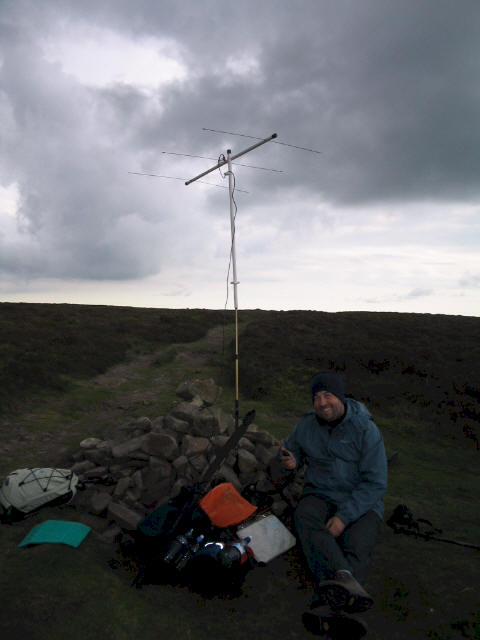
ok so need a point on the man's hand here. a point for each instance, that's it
(335, 526)
(287, 459)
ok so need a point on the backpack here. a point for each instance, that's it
(25, 491)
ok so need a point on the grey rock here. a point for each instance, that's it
(132, 495)
(162, 468)
(138, 458)
(185, 411)
(192, 446)
(95, 472)
(158, 424)
(219, 441)
(227, 474)
(247, 444)
(121, 487)
(124, 516)
(226, 422)
(99, 502)
(199, 463)
(82, 467)
(161, 444)
(129, 446)
(143, 423)
(137, 479)
(105, 447)
(176, 424)
(205, 423)
(246, 461)
(260, 437)
(89, 443)
(180, 464)
(207, 390)
(97, 456)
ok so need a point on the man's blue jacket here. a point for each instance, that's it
(347, 466)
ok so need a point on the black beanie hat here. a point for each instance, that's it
(328, 381)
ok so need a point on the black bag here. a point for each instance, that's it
(148, 544)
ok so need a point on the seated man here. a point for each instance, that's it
(340, 513)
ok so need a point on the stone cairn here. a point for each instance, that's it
(148, 461)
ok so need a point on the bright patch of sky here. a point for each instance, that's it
(245, 65)
(97, 57)
(9, 200)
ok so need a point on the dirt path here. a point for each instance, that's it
(43, 434)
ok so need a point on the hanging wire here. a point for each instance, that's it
(243, 135)
(221, 158)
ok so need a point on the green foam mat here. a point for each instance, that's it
(56, 531)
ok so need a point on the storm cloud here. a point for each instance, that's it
(92, 94)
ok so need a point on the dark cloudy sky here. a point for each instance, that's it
(385, 218)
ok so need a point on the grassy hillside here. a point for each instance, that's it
(410, 366)
(43, 345)
(417, 373)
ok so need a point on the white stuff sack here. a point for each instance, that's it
(269, 537)
(26, 490)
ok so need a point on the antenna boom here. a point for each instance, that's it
(223, 162)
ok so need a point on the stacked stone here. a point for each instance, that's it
(148, 461)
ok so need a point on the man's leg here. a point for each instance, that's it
(357, 542)
(345, 591)
(322, 552)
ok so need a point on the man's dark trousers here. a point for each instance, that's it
(326, 554)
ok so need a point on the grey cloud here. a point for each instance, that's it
(419, 293)
(413, 294)
(387, 91)
(470, 281)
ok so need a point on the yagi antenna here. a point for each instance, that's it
(235, 282)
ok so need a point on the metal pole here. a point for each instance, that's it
(235, 280)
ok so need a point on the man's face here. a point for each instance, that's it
(327, 406)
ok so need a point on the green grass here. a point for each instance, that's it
(414, 373)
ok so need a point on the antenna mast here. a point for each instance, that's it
(234, 282)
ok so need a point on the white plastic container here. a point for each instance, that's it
(269, 537)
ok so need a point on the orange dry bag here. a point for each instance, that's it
(225, 506)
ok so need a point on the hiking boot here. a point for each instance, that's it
(344, 593)
(319, 599)
(337, 625)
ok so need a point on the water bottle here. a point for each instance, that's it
(178, 547)
(189, 552)
(236, 553)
